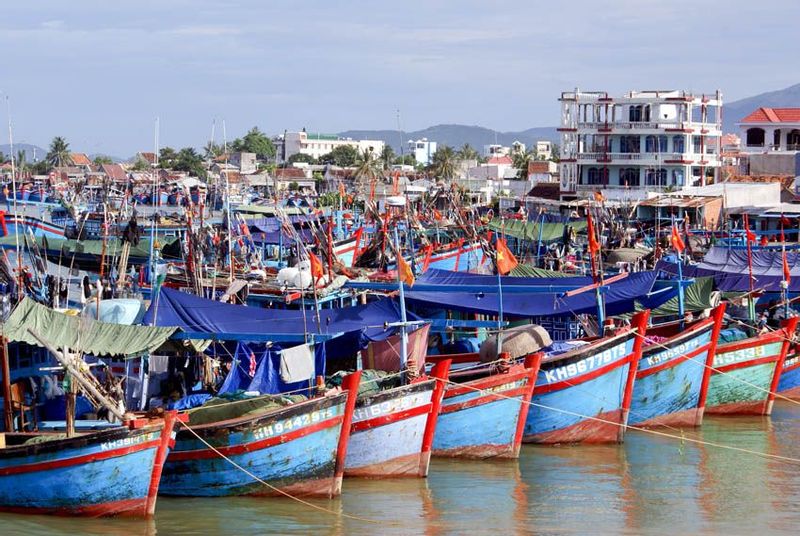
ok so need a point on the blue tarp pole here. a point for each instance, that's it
(681, 305)
(403, 319)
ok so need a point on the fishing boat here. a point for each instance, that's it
(672, 377)
(584, 395)
(483, 413)
(789, 384)
(392, 430)
(111, 472)
(297, 449)
(746, 373)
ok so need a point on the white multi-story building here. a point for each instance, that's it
(643, 142)
(422, 150)
(771, 130)
(495, 149)
(317, 145)
(544, 150)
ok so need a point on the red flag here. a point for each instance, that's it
(316, 266)
(787, 274)
(677, 241)
(506, 261)
(342, 191)
(764, 240)
(594, 247)
(252, 370)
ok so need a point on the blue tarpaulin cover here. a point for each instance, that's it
(356, 326)
(729, 269)
(619, 296)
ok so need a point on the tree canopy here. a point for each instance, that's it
(342, 156)
(387, 156)
(468, 152)
(443, 162)
(256, 142)
(301, 157)
(59, 154)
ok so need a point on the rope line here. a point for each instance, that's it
(280, 491)
(638, 428)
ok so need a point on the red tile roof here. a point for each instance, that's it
(80, 159)
(774, 115)
(114, 172)
(290, 173)
(500, 160)
(538, 166)
(150, 158)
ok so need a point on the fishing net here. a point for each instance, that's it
(372, 381)
(223, 409)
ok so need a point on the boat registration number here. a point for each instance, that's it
(745, 354)
(127, 442)
(389, 406)
(585, 365)
(294, 423)
(676, 351)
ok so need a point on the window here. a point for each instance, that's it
(677, 177)
(678, 144)
(755, 137)
(696, 145)
(635, 113)
(629, 144)
(655, 144)
(597, 176)
(629, 177)
(655, 177)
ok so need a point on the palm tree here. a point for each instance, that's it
(21, 164)
(467, 152)
(368, 168)
(521, 160)
(443, 162)
(59, 154)
(387, 156)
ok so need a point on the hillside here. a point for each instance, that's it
(456, 135)
(30, 151)
(735, 111)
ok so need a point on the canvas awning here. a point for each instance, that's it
(529, 230)
(81, 333)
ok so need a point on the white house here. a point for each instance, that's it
(317, 145)
(422, 150)
(642, 142)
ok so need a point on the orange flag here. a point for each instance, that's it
(341, 190)
(506, 261)
(404, 269)
(316, 266)
(677, 241)
(594, 247)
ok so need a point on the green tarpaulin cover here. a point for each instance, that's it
(80, 333)
(529, 230)
(526, 270)
(697, 297)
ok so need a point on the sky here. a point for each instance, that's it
(99, 72)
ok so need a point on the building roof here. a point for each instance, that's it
(500, 160)
(80, 159)
(150, 158)
(539, 166)
(773, 115)
(289, 173)
(546, 190)
(114, 172)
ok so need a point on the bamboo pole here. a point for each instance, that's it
(77, 376)
(8, 412)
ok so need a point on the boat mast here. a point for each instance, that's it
(228, 203)
(14, 188)
(403, 318)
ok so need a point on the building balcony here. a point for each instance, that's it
(646, 158)
(708, 129)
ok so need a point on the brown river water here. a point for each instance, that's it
(648, 485)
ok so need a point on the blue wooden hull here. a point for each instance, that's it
(293, 449)
(113, 472)
(789, 383)
(581, 397)
(462, 259)
(483, 418)
(669, 383)
(388, 432)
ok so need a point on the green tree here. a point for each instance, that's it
(257, 142)
(167, 158)
(21, 161)
(190, 161)
(294, 186)
(467, 152)
(443, 162)
(342, 156)
(387, 156)
(141, 165)
(301, 157)
(212, 150)
(59, 154)
(2, 157)
(521, 161)
(406, 160)
(102, 159)
(368, 168)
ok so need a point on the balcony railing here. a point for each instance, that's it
(647, 125)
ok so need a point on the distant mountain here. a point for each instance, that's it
(456, 136)
(32, 152)
(735, 111)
